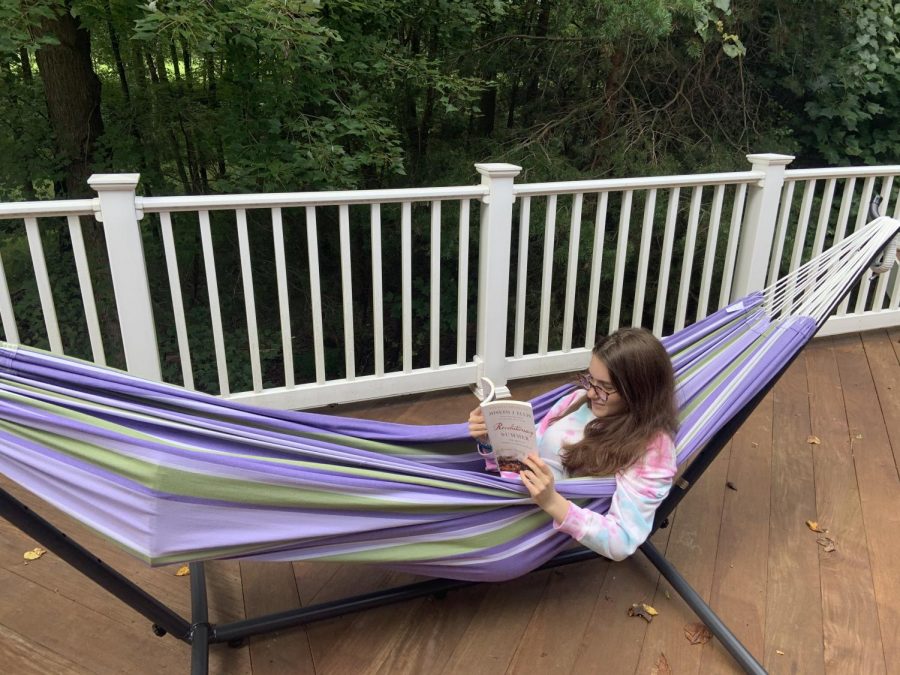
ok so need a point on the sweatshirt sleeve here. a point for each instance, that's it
(640, 489)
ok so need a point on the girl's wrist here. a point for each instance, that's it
(557, 507)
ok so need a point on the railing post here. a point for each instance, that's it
(119, 214)
(758, 229)
(493, 272)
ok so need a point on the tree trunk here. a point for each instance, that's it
(212, 85)
(488, 107)
(117, 53)
(511, 110)
(186, 57)
(72, 89)
(151, 67)
(28, 78)
(26, 66)
(161, 66)
(175, 66)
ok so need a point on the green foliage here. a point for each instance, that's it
(285, 95)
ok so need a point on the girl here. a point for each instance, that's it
(621, 422)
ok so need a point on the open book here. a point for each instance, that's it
(510, 426)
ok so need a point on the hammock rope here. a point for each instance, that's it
(173, 475)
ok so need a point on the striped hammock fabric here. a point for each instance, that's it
(173, 475)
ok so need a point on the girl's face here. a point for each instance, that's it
(602, 388)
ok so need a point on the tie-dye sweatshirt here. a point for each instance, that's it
(640, 488)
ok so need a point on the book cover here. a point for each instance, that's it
(511, 428)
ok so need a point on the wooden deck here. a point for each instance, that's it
(739, 537)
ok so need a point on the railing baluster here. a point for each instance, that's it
(87, 289)
(862, 217)
(347, 291)
(688, 259)
(406, 273)
(784, 215)
(800, 238)
(462, 297)
(574, 242)
(809, 191)
(7, 315)
(284, 305)
(377, 292)
(734, 236)
(435, 300)
(315, 291)
(621, 254)
(181, 332)
(709, 260)
(841, 225)
(590, 336)
(881, 287)
(640, 288)
(43, 284)
(522, 276)
(249, 299)
(895, 291)
(212, 288)
(547, 275)
(665, 261)
(824, 217)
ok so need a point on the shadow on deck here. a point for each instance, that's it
(822, 446)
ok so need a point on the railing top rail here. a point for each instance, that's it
(646, 183)
(61, 207)
(295, 199)
(843, 172)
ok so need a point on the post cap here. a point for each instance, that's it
(114, 181)
(498, 170)
(770, 159)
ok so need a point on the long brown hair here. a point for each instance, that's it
(641, 372)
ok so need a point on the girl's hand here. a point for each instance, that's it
(477, 427)
(539, 480)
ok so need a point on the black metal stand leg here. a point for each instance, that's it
(740, 653)
(200, 629)
(164, 619)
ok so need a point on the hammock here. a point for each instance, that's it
(173, 475)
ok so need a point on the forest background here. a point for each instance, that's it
(208, 96)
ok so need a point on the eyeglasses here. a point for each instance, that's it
(587, 382)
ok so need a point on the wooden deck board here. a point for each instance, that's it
(851, 634)
(793, 642)
(739, 582)
(879, 485)
(828, 612)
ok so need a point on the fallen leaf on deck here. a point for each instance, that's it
(779, 652)
(645, 611)
(662, 666)
(34, 553)
(813, 440)
(730, 486)
(697, 633)
(814, 526)
(668, 597)
(827, 543)
(183, 571)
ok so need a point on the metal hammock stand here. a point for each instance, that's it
(200, 634)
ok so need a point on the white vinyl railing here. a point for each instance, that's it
(363, 282)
